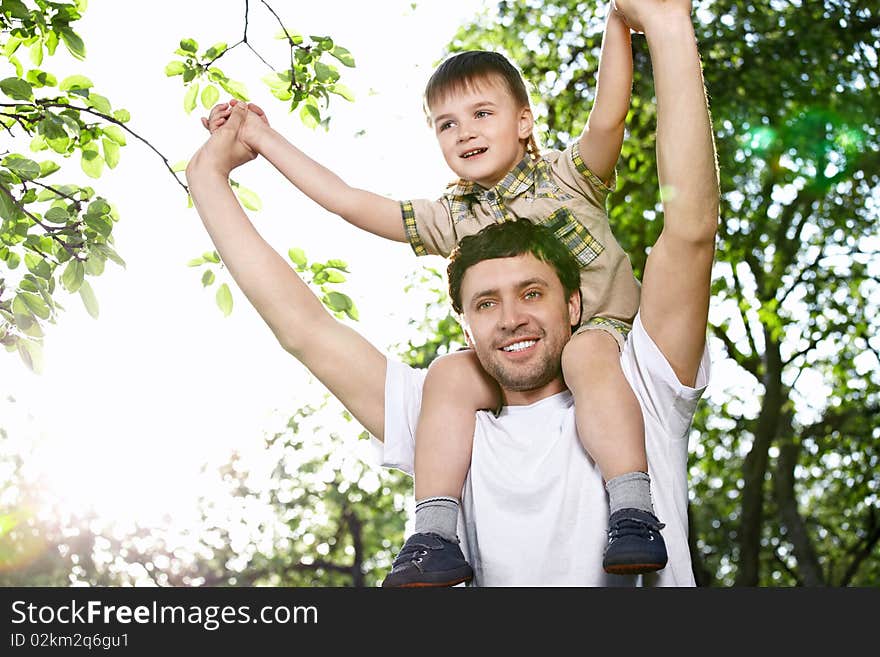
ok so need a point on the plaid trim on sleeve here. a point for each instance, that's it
(582, 169)
(409, 226)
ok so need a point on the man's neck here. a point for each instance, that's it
(526, 397)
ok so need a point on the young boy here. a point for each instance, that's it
(478, 105)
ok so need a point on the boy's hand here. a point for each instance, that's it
(219, 114)
(637, 13)
(225, 149)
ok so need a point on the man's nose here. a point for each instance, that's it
(512, 317)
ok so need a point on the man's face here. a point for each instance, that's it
(481, 130)
(518, 319)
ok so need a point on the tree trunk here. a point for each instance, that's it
(809, 570)
(755, 467)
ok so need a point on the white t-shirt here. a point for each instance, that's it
(534, 506)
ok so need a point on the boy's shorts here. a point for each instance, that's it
(614, 327)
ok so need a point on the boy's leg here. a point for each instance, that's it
(456, 387)
(611, 428)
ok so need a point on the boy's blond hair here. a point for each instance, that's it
(464, 70)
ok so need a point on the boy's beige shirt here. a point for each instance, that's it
(557, 191)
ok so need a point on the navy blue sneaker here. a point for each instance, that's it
(635, 544)
(428, 560)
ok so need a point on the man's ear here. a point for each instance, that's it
(526, 123)
(466, 331)
(574, 308)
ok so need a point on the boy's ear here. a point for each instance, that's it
(526, 123)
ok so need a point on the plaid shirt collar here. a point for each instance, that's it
(518, 179)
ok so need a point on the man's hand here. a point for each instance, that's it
(225, 150)
(642, 14)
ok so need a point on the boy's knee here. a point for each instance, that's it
(461, 374)
(590, 349)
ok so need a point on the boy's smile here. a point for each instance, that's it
(481, 130)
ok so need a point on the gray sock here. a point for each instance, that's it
(438, 515)
(630, 491)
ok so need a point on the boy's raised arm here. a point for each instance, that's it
(602, 137)
(346, 363)
(371, 212)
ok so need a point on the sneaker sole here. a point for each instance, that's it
(433, 585)
(634, 568)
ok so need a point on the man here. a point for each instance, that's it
(526, 501)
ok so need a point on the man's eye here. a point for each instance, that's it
(483, 305)
(532, 294)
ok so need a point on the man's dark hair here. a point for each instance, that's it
(509, 239)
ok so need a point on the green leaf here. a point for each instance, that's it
(122, 115)
(180, 165)
(224, 299)
(31, 353)
(310, 115)
(248, 198)
(297, 256)
(99, 102)
(338, 301)
(37, 265)
(210, 96)
(189, 100)
(236, 89)
(95, 265)
(352, 312)
(341, 90)
(41, 78)
(88, 298)
(111, 152)
(37, 53)
(17, 89)
(22, 167)
(189, 45)
(48, 167)
(335, 263)
(35, 304)
(207, 278)
(173, 68)
(57, 215)
(115, 133)
(91, 162)
(73, 82)
(74, 44)
(73, 275)
(211, 256)
(325, 72)
(343, 55)
(334, 276)
(16, 9)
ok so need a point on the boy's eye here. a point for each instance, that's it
(445, 125)
(482, 113)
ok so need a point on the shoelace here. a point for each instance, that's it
(633, 526)
(409, 552)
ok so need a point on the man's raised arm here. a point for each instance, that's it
(349, 366)
(676, 284)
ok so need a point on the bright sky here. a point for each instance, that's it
(130, 406)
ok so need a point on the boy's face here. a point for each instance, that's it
(518, 319)
(481, 130)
